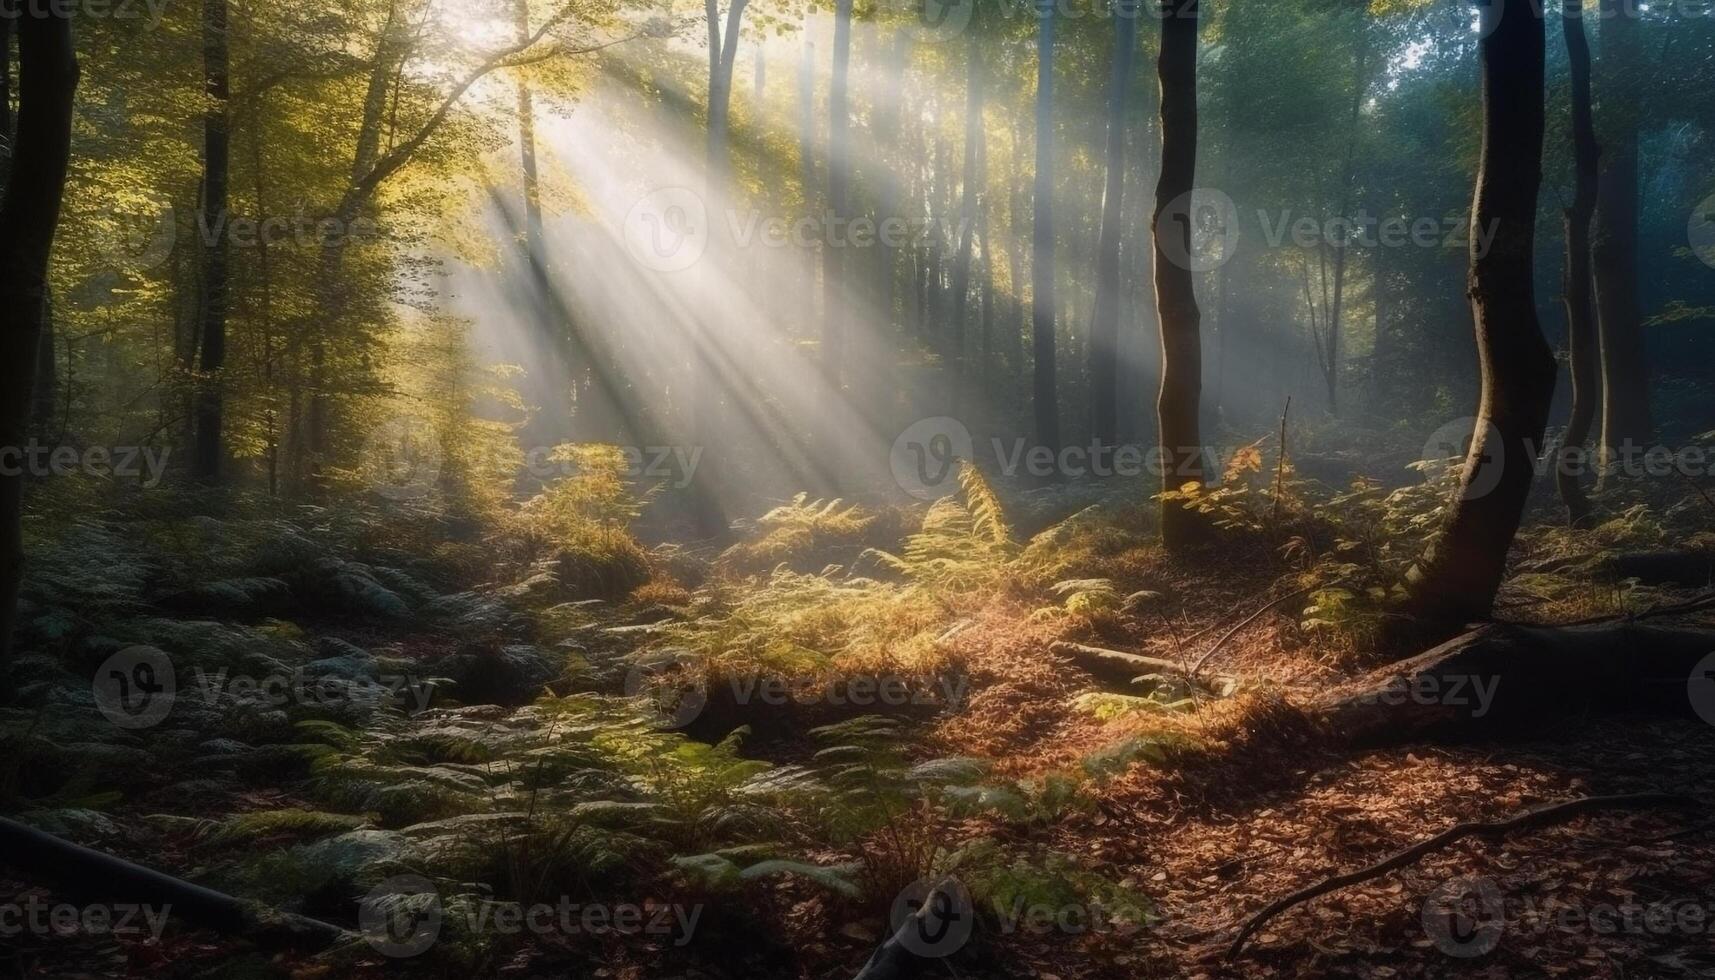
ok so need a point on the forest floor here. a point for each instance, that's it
(1145, 825)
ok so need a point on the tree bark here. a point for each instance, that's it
(1502, 678)
(29, 215)
(215, 286)
(1175, 290)
(1456, 580)
(1045, 389)
(807, 156)
(839, 180)
(1581, 338)
(1104, 353)
(955, 345)
(1625, 373)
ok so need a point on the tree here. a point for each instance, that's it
(1104, 325)
(1625, 371)
(1045, 391)
(29, 214)
(212, 301)
(1456, 579)
(1175, 291)
(974, 135)
(839, 183)
(1581, 338)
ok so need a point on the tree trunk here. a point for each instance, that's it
(839, 179)
(1581, 337)
(1045, 390)
(1456, 580)
(214, 300)
(1175, 290)
(45, 397)
(887, 127)
(807, 157)
(29, 213)
(1625, 372)
(955, 349)
(1104, 350)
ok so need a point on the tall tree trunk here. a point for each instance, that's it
(807, 158)
(1625, 371)
(887, 127)
(1342, 249)
(1456, 580)
(5, 96)
(1581, 339)
(29, 213)
(1175, 290)
(1104, 326)
(1045, 389)
(834, 297)
(45, 397)
(216, 182)
(705, 398)
(955, 350)
(527, 145)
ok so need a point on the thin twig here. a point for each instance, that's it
(1411, 855)
(1253, 617)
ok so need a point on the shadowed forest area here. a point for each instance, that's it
(857, 490)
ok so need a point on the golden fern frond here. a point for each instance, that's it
(984, 505)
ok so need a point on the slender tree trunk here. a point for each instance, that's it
(1625, 372)
(216, 183)
(29, 213)
(887, 127)
(46, 396)
(1581, 335)
(1342, 249)
(1104, 350)
(527, 145)
(955, 351)
(1456, 580)
(5, 96)
(1175, 290)
(810, 185)
(834, 297)
(1045, 389)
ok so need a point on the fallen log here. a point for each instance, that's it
(1542, 817)
(87, 875)
(1690, 568)
(1502, 677)
(1118, 667)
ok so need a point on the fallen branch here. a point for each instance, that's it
(1197, 667)
(1118, 666)
(91, 876)
(1544, 816)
